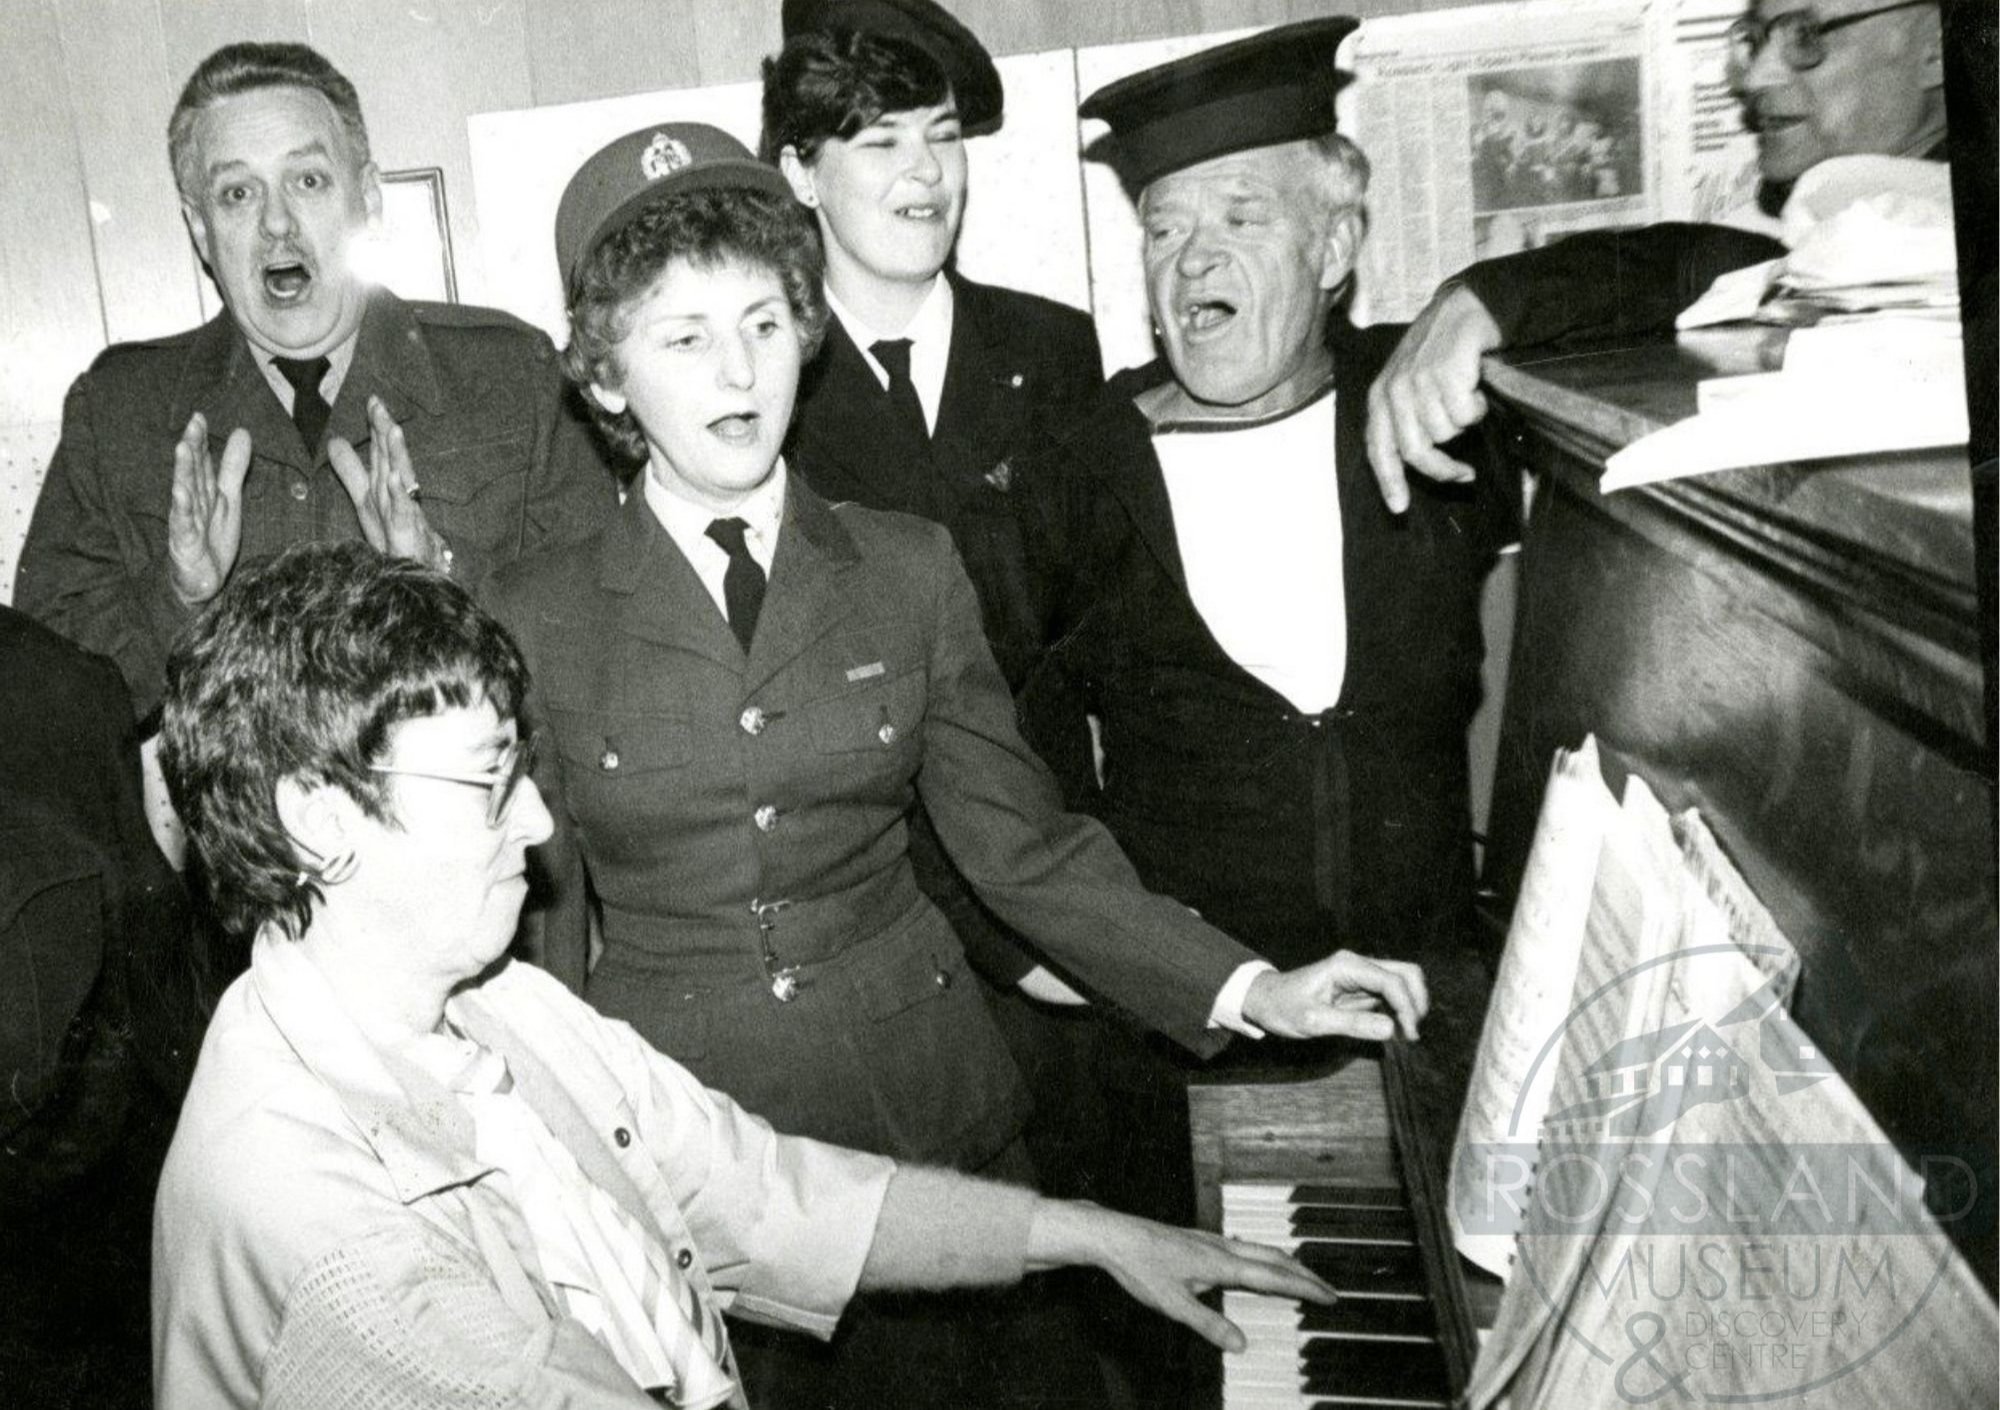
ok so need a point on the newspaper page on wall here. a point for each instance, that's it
(1497, 128)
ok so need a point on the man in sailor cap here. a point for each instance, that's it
(1282, 672)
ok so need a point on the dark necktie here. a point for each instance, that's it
(894, 355)
(309, 408)
(743, 583)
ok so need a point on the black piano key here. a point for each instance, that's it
(1355, 1223)
(1414, 1371)
(1379, 1268)
(1367, 1196)
(1343, 1403)
(1371, 1316)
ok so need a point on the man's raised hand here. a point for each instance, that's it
(385, 492)
(205, 513)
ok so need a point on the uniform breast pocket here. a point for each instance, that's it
(469, 479)
(619, 768)
(877, 714)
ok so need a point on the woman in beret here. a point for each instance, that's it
(930, 386)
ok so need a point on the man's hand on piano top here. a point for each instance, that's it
(1343, 995)
(1166, 1268)
(1428, 392)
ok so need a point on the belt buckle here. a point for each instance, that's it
(785, 980)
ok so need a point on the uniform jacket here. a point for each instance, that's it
(503, 464)
(1297, 833)
(1020, 368)
(93, 922)
(327, 1234)
(693, 782)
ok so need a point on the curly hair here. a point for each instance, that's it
(236, 69)
(834, 83)
(708, 227)
(302, 669)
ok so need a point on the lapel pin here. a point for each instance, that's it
(1001, 476)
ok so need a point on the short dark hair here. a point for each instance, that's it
(833, 83)
(301, 669)
(245, 68)
(708, 228)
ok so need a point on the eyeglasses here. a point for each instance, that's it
(1801, 35)
(500, 785)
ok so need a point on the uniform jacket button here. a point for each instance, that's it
(766, 818)
(887, 734)
(300, 490)
(608, 760)
(943, 979)
(753, 720)
(623, 1137)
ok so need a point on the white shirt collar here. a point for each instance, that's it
(339, 358)
(929, 332)
(687, 523)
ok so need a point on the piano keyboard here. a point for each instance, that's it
(1377, 1348)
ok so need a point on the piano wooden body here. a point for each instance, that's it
(1794, 651)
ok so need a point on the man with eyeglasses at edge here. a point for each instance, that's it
(1835, 78)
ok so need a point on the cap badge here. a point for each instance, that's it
(664, 156)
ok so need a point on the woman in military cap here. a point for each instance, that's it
(743, 690)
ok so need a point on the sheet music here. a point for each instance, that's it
(1633, 919)
(1711, 1214)
(1511, 1073)
(1721, 909)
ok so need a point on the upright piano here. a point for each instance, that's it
(1794, 651)
(1346, 1166)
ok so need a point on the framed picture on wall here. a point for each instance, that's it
(412, 254)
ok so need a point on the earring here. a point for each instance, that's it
(338, 869)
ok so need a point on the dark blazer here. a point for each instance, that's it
(1019, 370)
(93, 922)
(1296, 833)
(505, 465)
(868, 685)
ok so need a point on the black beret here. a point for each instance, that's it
(1273, 87)
(975, 83)
(625, 176)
